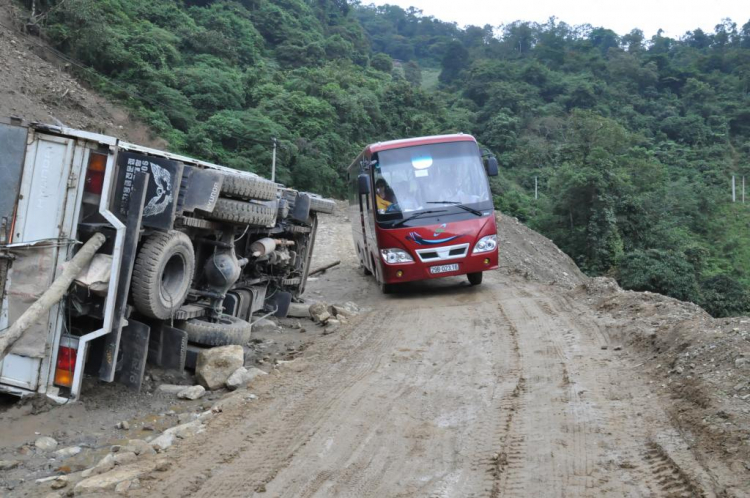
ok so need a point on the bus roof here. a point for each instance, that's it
(411, 142)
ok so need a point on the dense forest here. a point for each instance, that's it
(633, 141)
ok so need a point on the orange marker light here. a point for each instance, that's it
(66, 362)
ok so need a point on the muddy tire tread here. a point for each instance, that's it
(248, 187)
(217, 334)
(147, 272)
(320, 205)
(242, 213)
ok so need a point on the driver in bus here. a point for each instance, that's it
(381, 194)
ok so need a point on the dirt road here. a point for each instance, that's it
(507, 389)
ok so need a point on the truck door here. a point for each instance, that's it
(41, 237)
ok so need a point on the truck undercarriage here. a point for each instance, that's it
(193, 250)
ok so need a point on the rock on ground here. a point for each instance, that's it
(298, 310)
(110, 480)
(45, 443)
(170, 388)
(125, 457)
(8, 464)
(319, 312)
(242, 376)
(192, 392)
(138, 446)
(265, 325)
(215, 365)
(340, 311)
(68, 452)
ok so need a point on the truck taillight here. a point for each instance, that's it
(66, 362)
(95, 173)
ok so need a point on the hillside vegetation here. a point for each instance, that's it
(633, 141)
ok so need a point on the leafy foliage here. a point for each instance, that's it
(633, 141)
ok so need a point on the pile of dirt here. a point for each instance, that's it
(532, 255)
(702, 365)
(36, 85)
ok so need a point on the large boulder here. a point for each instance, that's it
(215, 365)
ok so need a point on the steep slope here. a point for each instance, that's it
(36, 85)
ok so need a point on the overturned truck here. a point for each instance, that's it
(190, 252)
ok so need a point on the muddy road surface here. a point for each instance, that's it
(512, 388)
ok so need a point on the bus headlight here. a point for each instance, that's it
(486, 244)
(396, 256)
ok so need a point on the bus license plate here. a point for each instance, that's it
(444, 268)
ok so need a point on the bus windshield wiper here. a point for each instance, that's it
(459, 205)
(416, 215)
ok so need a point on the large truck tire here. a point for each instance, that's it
(321, 205)
(248, 187)
(224, 331)
(243, 213)
(162, 274)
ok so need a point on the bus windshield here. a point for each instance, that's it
(430, 177)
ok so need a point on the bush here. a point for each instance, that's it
(722, 295)
(665, 272)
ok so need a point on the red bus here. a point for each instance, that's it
(421, 208)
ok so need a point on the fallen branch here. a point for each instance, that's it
(324, 268)
(52, 295)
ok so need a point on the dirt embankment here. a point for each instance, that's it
(533, 256)
(37, 85)
(699, 363)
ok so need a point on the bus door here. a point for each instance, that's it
(363, 204)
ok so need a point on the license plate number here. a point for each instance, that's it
(444, 268)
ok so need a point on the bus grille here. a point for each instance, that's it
(442, 253)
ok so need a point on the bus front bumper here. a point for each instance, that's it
(418, 270)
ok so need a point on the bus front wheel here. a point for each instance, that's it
(475, 278)
(364, 269)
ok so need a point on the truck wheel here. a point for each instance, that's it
(248, 187)
(475, 278)
(162, 274)
(224, 331)
(243, 213)
(321, 205)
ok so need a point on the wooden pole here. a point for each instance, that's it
(324, 268)
(52, 295)
(273, 162)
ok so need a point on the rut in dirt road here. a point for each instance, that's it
(499, 390)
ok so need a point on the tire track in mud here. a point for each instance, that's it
(363, 466)
(669, 479)
(286, 424)
(504, 391)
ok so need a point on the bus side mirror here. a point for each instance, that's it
(491, 166)
(364, 184)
